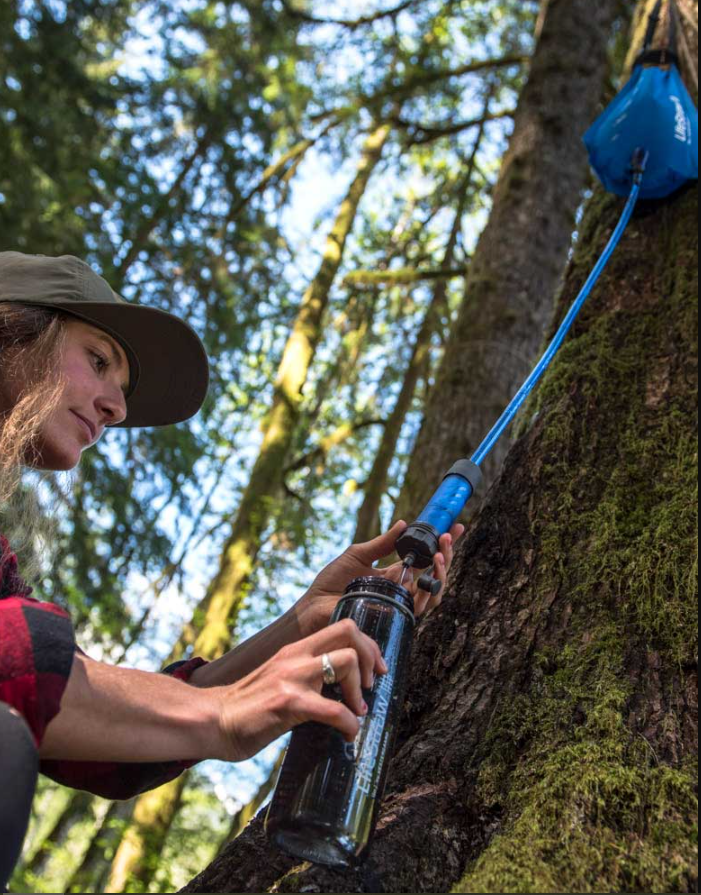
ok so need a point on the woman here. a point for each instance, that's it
(74, 360)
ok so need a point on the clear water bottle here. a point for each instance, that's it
(327, 796)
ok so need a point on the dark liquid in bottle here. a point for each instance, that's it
(325, 804)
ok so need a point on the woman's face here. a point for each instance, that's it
(95, 371)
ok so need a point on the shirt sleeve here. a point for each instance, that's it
(37, 645)
(122, 780)
(36, 654)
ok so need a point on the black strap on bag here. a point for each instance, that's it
(664, 55)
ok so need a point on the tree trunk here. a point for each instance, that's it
(522, 253)
(549, 740)
(210, 630)
(136, 859)
(247, 812)
(78, 804)
(368, 524)
(91, 873)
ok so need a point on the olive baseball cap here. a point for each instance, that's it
(169, 373)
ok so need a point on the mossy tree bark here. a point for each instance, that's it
(399, 276)
(550, 737)
(521, 255)
(210, 631)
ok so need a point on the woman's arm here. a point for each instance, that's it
(120, 714)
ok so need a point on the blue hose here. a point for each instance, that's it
(418, 544)
(542, 365)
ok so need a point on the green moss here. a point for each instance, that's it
(590, 807)
(587, 804)
(595, 822)
(627, 497)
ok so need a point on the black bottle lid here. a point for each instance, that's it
(381, 589)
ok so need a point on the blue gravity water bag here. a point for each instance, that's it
(654, 111)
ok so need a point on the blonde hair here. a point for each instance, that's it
(31, 343)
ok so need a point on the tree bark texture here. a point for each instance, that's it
(521, 256)
(210, 631)
(549, 740)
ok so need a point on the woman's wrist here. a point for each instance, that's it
(304, 615)
(314, 612)
(248, 656)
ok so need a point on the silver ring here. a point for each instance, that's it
(328, 669)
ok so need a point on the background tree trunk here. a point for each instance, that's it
(91, 874)
(549, 740)
(136, 859)
(78, 804)
(521, 255)
(368, 524)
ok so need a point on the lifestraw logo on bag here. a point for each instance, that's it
(682, 125)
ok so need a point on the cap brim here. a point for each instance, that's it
(167, 360)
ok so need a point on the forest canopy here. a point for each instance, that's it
(309, 184)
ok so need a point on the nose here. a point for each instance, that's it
(112, 406)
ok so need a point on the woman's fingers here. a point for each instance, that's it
(347, 634)
(345, 665)
(446, 549)
(328, 711)
(444, 560)
(380, 547)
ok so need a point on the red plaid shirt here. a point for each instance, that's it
(36, 653)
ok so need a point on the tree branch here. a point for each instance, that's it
(276, 170)
(416, 81)
(338, 436)
(425, 78)
(419, 133)
(352, 24)
(399, 276)
(160, 205)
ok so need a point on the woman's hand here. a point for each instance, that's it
(286, 690)
(313, 612)
(316, 606)
(119, 714)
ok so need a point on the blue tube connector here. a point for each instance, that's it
(420, 541)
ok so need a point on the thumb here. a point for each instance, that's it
(381, 546)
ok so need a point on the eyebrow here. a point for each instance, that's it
(116, 356)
